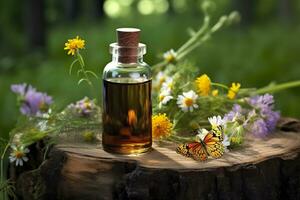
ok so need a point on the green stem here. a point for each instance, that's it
(220, 85)
(202, 35)
(194, 46)
(196, 36)
(2, 168)
(159, 65)
(207, 35)
(82, 65)
(277, 88)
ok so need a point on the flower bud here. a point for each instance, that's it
(208, 6)
(234, 17)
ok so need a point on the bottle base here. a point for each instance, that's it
(128, 148)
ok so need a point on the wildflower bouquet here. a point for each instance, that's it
(206, 118)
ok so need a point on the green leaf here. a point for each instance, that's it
(92, 73)
(71, 66)
(84, 79)
(79, 71)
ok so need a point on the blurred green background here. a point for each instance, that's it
(263, 48)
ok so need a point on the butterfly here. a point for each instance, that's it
(210, 145)
(218, 131)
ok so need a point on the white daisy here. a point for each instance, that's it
(170, 56)
(216, 121)
(187, 101)
(201, 134)
(168, 84)
(18, 155)
(160, 78)
(164, 97)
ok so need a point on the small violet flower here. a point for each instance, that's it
(83, 107)
(234, 113)
(32, 102)
(259, 128)
(262, 102)
(261, 120)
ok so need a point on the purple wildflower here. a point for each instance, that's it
(259, 128)
(84, 107)
(21, 89)
(262, 102)
(33, 103)
(261, 120)
(265, 104)
(235, 112)
(271, 118)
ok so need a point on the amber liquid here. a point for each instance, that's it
(127, 110)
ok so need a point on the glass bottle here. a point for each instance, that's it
(127, 109)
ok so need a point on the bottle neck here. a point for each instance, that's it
(127, 59)
(127, 55)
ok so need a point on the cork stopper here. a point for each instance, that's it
(128, 41)
(128, 37)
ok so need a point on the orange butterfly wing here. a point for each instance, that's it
(198, 152)
(213, 145)
(183, 149)
(193, 149)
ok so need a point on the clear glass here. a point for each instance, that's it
(127, 108)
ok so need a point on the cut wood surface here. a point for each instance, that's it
(260, 169)
(164, 156)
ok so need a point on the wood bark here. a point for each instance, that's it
(261, 169)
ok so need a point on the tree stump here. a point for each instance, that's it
(261, 169)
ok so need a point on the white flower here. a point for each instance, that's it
(168, 84)
(216, 121)
(226, 143)
(201, 134)
(187, 101)
(170, 55)
(160, 78)
(164, 97)
(18, 155)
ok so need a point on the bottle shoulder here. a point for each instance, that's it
(120, 70)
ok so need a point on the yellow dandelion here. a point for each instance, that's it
(73, 45)
(215, 93)
(203, 84)
(161, 126)
(233, 90)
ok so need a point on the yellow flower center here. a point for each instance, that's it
(43, 106)
(170, 58)
(19, 154)
(170, 85)
(161, 80)
(161, 97)
(188, 101)
(87, 105)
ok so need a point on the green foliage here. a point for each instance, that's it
(254, 55)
